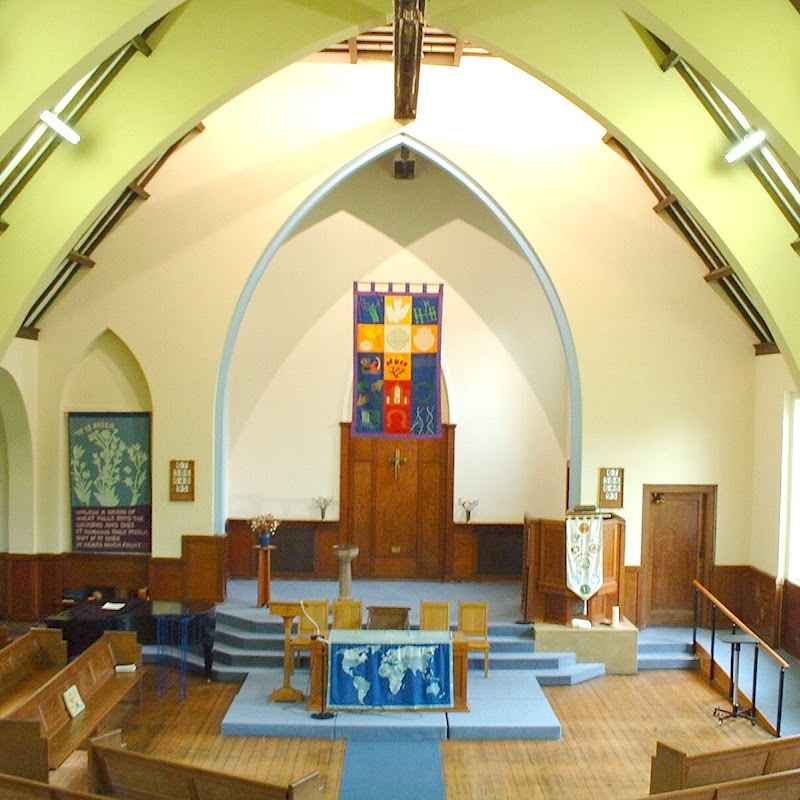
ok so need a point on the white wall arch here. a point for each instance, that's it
(528, 253)
(16, 470)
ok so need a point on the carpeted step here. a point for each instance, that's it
(571, 675)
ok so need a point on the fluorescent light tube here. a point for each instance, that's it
(750, 142)
(61, 128)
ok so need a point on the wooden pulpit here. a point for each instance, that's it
(545, 596)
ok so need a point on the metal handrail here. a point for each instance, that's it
(737, 623)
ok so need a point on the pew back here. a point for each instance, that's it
(120, 773)
(15, 788)
(672, 769)
(28, 662)
(778, 786)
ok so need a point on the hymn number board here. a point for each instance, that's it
(181, 480)
(610, 487)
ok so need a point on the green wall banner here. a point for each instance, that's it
(109, 478)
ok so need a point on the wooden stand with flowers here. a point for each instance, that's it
(264, 526)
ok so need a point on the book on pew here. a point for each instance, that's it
(125, 668)
(74, 701)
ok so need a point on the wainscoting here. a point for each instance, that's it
(32, 586)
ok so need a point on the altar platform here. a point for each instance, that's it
(508, 704)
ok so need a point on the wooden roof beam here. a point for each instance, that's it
(409, 28)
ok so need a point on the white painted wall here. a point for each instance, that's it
(666, 368)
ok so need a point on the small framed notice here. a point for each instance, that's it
(181, 480)
(609, 487)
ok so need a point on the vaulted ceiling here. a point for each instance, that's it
(628, 64)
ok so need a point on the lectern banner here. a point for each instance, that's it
(585, 555)
(397, 360)
(391, 669)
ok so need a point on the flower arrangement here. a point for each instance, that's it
(264, 526)
(322, 503)
(468, 506)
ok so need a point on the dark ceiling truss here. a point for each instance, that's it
(720, 271)
(775, 177)
(438, 47)
(80, 256)
(22, 163)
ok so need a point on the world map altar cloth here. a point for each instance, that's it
(390, 669)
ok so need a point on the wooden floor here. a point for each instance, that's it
(610, 729)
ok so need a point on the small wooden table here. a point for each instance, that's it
(286, 693)
(264, 574)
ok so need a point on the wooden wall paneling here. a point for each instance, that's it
(449, 432)
(431, 524)
(464, 554)
(790, 619)
(727, 586)
(325, 563)
(361, 518)
(125, 572)
(761, 603)
(204, 567)
(242, 555)
(22, 591)
(499, 550)
(4, 586)
(631, 607)
(345, 483)
(165, 579)
(50, 584)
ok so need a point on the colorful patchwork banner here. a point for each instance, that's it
(397, 346)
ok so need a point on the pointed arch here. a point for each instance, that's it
(287, 229)
(109, 375)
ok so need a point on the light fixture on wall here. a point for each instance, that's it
(60, 127)
(747, 145)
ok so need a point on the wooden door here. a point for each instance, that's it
(397, 495)
(677, 547)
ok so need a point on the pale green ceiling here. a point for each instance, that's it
(210, 50)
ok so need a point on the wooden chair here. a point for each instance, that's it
(388, 618)
(434, 616)
(473, 622)
(347, 614)
(314, 621)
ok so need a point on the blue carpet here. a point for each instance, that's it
(404, 769)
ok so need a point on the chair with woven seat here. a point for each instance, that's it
(347, 614)
(473, 622)
(313, 621)
(434, 616)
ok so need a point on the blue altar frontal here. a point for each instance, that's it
(391, 669)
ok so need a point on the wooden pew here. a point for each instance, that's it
(28, 662)
(671, 769)
(16, 788)
(40, 733)
(116, 772)
(778, 786)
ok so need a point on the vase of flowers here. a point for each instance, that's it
(468, 506)
(264, 526)
(322, 503)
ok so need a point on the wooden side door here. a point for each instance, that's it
(678, 524)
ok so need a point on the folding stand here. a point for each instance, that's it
(736, 640)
